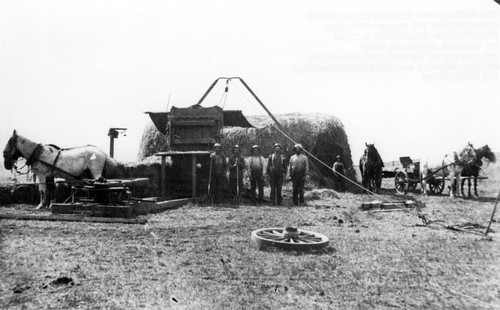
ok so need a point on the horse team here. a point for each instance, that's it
(466, 163)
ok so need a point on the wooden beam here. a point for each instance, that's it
(70, 218)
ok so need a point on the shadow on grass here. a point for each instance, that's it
(328, 250)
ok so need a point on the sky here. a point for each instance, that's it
(414, 78)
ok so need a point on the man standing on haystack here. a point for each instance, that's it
(339, 174)
(256, 170)
(276, 169)
(299, 167)
(218, 166)
(236, 166)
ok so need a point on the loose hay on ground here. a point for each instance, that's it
(202, 256)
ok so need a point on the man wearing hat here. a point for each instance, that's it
(236, 165)
(339, 174)
(256, 170)
(299, 167)
(276, 169)
(219, 167)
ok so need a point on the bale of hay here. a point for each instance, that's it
(320, 134)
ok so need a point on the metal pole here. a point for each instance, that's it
(263, 106)
(111, 146)
(492, 215)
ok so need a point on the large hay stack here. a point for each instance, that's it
(321, 134)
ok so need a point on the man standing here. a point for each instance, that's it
(218, 166)
(299, 167)
(276, 169)
(256, 171)
(236, 166)
(339, 174)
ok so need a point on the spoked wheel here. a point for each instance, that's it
(436, 186)
(401, 182)
(289, 238)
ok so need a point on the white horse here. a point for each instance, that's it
(451, 166)
(49, 160)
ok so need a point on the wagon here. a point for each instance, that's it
(407, 177)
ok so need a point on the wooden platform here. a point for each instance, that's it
(70, 218)
(391, 205)
(132, 209)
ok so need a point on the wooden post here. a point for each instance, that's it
(111, 146)
(193, 177)
(163, 176)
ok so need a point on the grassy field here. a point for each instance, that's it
(201, 257)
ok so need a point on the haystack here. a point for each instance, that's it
(152, 142)
(320, 134)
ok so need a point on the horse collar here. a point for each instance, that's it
(35, 154)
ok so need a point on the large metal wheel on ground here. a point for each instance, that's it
(289, 238)
(436, 186)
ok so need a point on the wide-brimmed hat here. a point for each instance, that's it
(217, 145)
(338, 156)
(277, 145)
(236, 147)
(255, 147)
(297, 146)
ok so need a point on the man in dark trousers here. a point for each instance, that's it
(237, 166)
(276, 169)
(256, 171)
(219, 168)
(339, 174)
(299, 167)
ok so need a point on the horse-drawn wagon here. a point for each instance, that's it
(407, 177)
(458, 166)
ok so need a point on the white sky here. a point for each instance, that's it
(415, 78)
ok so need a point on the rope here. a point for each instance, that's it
(330, 168)
(335, 172)
(226, 90)
(256, 108)
(224, 94)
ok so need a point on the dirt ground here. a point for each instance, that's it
(201, 257)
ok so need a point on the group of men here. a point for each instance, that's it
(276, 166)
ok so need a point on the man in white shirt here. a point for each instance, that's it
(256, 171)
(299, 167)
(276, 170)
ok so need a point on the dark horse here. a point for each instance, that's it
(472, 169)
(370, 166)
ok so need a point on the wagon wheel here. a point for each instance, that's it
(289, 238)
(401, 183)
(436, 186)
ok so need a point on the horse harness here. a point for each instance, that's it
(35, 156)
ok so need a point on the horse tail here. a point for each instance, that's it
(361, 162)
(113, 169)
